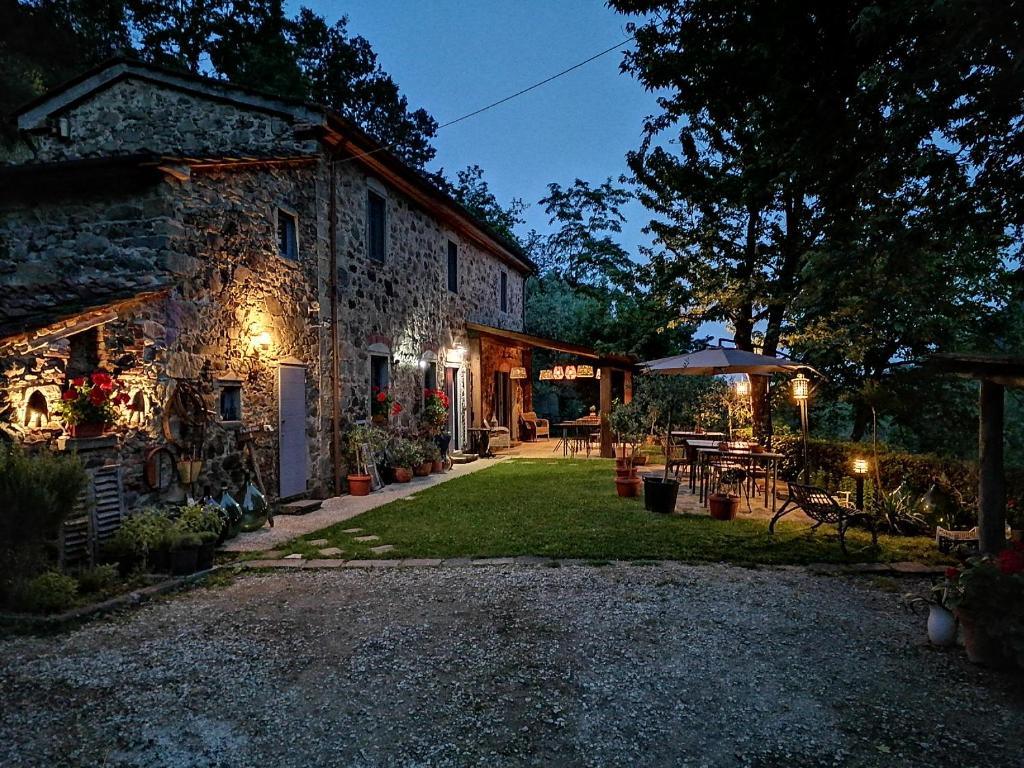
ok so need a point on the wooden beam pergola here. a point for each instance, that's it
(994, 373)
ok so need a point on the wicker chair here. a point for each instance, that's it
(822, 507)
(541, 427)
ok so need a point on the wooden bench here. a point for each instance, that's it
(822, 507)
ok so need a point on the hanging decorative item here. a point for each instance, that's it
(584, 371)
(517, 373)
(558, 373)
(570, 373)
(545, 374)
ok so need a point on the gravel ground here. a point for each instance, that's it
(588, 666)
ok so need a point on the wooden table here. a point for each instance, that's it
(576, 425)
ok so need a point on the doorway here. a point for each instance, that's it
(503, 398)
(293, 457)
(451, 388)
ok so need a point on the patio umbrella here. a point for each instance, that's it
(718, 360)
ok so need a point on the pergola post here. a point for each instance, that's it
(607, 440)
(991, 480)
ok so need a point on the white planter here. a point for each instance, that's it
(941, 626)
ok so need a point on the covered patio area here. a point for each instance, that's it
(502, 368)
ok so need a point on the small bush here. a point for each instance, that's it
(49, 592)
(97, 579)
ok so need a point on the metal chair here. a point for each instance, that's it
(822, 507)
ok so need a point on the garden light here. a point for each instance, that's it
(743, 387)
(800, 387)
(860, 466)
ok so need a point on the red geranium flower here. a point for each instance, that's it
(101, 378)
(381, 397)
(1011, 561)
(952, 573)
(78, 382)
(97, 396)
(69, 394)
(396, 408)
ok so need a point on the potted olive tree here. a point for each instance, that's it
(361, 438)
(626, 421)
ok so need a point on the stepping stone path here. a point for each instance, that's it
(330, 551)
(319, 543)
(296, 556)
(367, 538)
(352, 530)
(382, 549)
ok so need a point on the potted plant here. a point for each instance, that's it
(359, 437)
(184, 552)
(383, 406)
(661, 493)
(627, 423)
(434, 417)
(403, 455)
(89, 405)
(432, 455)
(426, 465)
(206, 522)
(724, 503)
(987, 596)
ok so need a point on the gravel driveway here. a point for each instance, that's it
(588, 666)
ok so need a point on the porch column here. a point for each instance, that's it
(527, 383)
(991, 480)
(476, 382)
(607, 440)
(627, 386)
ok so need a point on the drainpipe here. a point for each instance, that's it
(335, 363)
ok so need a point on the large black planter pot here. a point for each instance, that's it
(204, 556)
(660, 494)
(183, 560)
(386, 476)
(159, 561)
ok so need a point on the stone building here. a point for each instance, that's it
(249, 267)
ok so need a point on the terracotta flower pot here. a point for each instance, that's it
(627, 487)
(91, 429)
(981, 647)
(640, 460)
(359, 485)
(625, 471)
(402, 474)
(437, 467)
(723, 507)
(423, 469)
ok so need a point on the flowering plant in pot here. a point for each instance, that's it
(987, 596)
(724, 503)
(434, 417)
(360, 437)
(403, 455)
(89, 404)
(383, 405)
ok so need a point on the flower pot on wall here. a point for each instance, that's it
(941, 626)
(92, 429)
(359, 485)
(402, 474)
(723, 507)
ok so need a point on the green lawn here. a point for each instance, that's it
(568, 509)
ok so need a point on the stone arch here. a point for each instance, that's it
(37, 410)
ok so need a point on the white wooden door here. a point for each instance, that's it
(293, 463)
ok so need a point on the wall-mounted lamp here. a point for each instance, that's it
(262, 341)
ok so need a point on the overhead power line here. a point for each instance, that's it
(517, 94)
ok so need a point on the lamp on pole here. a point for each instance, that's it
(741, 389)
(801, 390)
(860, 471)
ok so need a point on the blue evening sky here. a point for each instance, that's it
(452, 57)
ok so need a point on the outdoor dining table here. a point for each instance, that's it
(581, 429)
(692, 445)
(747, 458)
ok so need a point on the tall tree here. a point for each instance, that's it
(810, 169)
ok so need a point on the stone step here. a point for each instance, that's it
(300, 507)
(463, 458)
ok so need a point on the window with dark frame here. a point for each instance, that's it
(231, 402)
(504, 291)
(376, 216)
(380, 375)
(287, 235)
(83, 353)
(430, 375)
(453, 267)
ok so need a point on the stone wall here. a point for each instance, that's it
(133, 116)
(229, 285)
(403, 303)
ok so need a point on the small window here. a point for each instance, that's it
(287, 235)
(83, 353)
(380, 376)
(453, 267)
(430, 375)
(376, 213)
(504, 291)
(231, 402)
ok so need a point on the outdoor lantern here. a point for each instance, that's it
(517, 373)
(570, 372)
(558, 373)
(860, 470)
(262, 340)
(743, 387)
(860, 466)
(584, 371)
(545, 374)
(801, 387)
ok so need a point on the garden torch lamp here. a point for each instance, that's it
(743, 387)
(800, 386)
(860, 471)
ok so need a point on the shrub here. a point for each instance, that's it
(148, 530)
(48, 592)
(36, 494)
(97, 579)
(202, 519)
